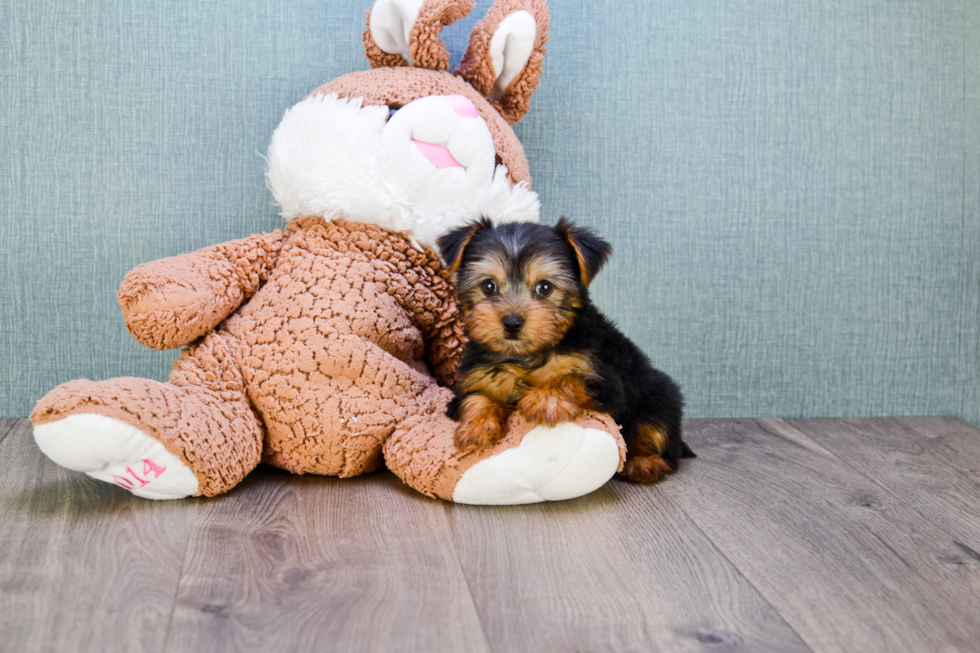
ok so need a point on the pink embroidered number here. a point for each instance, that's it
(149, 467)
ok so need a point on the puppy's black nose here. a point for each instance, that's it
(512, 324)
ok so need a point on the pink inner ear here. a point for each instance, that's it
(438, 155)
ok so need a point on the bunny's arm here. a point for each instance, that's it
(172, 302)
(445, 346)
(423, 289)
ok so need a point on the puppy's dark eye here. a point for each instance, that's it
(543, 289)
(489, 287)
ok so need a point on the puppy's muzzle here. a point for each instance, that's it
(512, 325)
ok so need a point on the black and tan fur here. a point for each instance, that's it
(540, 347)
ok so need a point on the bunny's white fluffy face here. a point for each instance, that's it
(423, 169)
(437, 153)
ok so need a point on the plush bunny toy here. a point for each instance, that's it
(329, 347)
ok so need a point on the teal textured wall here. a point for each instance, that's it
(792, 187)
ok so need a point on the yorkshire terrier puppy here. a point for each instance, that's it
(539, 346)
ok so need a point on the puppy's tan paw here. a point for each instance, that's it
(482, 424)
(645, 469)
(549, 406)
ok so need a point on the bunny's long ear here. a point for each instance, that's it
(406, 32)
(506, 51)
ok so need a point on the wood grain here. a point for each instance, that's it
(952, 439)
(320, 564)
(84, 566)
(824, 535)
(622, 569)
(848, 565)
(931, 475)
(6, 425)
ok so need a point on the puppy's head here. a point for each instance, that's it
(521, 284)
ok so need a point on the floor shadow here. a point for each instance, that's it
(76, 495)
(601, 499)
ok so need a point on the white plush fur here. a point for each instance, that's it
(114, 452)
(412, 179)
(391, 23)
(329, 157)
(323, 162)
(510, 49)
(550, 464)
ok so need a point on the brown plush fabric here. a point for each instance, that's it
(202, 416)
(332, 341)
(421, 452)
(476, 66)
(424, 45)
(174, 301)
(320, 365)
(396, 87)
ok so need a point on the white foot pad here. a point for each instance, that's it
(114, 452)
(550, 464)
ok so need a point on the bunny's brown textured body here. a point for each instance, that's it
(370, 315)
(316, 388)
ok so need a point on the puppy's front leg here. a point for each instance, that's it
(561, 401)
(481, 424)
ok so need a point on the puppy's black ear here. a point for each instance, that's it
(590, 250)
(453, 244)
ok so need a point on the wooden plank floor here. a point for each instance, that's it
(800, 535)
